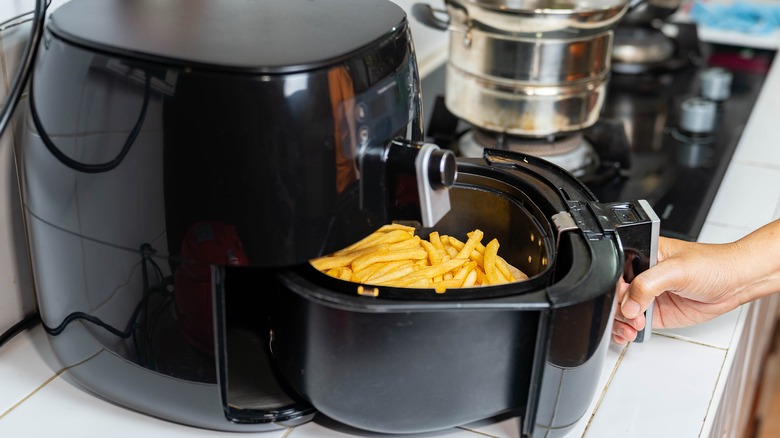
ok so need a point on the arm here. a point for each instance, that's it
(695, 282)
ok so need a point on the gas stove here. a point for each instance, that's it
(666, 132)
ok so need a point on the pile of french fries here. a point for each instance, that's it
(394, 256)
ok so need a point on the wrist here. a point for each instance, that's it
(757, 263)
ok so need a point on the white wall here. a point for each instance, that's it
(430, 44)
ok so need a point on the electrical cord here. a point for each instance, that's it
(28, 322)
(133, 323)
(17, 20)
(84, 167)
(14, 95)
(20, 81)
(28, 57)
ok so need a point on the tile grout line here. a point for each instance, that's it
(752, 162)
(710, 407)
(46, 382)
(691, 341)
(606, 387)
(27, 397)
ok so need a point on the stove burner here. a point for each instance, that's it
(641, 45)
(647, 49)
(572, 152)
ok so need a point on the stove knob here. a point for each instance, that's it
(697, 115)
(715, 83)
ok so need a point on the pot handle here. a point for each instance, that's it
(639, 228)
(425, 14)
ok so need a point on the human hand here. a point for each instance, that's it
(691, 283)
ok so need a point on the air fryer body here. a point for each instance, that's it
(159, 152)
(177, 176)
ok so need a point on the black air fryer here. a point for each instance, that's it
(183, 162)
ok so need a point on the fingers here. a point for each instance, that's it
(636, 298)
(625, 330)
(623, 333)
(653, 282)
(640, 295)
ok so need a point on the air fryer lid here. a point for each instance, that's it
(245, 35)
(234, 110)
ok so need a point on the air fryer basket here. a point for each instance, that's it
(501, 212)
(412, 360)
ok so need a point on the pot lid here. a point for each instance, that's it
(252, 35)
(534, 17)
(550, 6)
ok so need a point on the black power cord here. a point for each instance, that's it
(28, 58)
(14, 95)
(84, 167)
(133, 325)
(28, 322)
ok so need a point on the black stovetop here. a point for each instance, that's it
(678, 175)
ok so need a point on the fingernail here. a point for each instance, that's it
(630, 308)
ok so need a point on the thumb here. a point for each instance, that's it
(630, 308)
(642, 291)
(654, 281)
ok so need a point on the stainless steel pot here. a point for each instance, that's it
(529, 68)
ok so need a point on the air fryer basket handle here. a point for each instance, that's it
(407, 180)
(639, 228)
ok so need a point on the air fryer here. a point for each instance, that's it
(177, 180)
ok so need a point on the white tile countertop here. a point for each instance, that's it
(681, 383)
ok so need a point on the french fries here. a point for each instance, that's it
(394, 256)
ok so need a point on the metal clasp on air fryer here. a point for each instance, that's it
(637, 227)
